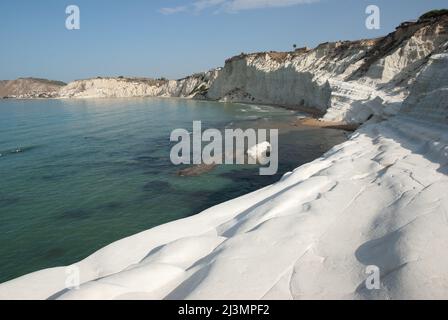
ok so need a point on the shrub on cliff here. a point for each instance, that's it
(433, 14)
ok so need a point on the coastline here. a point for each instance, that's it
(313, 118)
(180, 196)
(312, 198)
(315, 122)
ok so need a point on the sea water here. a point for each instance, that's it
(76, 175)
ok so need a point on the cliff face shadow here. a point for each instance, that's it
(277, 87)
(383, 253)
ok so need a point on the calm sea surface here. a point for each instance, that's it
(76, 175)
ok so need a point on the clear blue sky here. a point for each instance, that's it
(174, 38)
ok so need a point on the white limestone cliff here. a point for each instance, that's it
(190, 87)
(348, 81)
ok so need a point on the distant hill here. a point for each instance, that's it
(29, 88)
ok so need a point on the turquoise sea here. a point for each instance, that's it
(76, 175)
